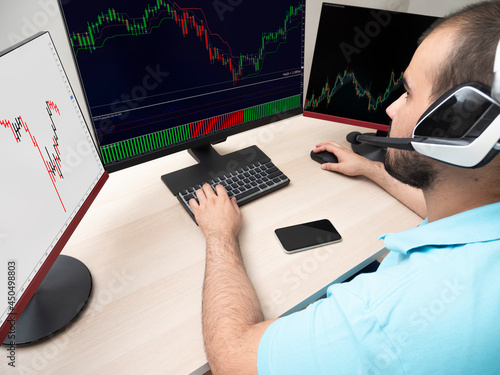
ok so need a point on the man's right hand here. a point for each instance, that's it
(350, 163)
(216, 214)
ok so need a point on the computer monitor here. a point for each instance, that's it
(51, 172)
(359, 59)
(162, 76)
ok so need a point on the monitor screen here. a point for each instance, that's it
(162, 76)
(51, 171)
(358, 63)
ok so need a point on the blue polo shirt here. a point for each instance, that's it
(432, 307)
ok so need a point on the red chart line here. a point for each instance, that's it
(45, 163)
(7, 123)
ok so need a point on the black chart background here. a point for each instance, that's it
(391, 49)
(113, 72)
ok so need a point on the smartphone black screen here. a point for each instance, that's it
(307, 236)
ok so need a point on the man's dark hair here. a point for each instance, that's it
(473, 54)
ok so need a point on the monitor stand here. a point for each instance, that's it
(60, 298)
(210, 165)
(374, 153)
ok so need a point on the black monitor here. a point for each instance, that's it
(162, 76)
(358, 64)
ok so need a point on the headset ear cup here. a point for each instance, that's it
(421, 121)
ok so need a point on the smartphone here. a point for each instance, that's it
(307, 236)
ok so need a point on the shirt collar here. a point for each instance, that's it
(480, 224)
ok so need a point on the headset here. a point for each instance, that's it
(461, 128)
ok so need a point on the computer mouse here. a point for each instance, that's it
(324, 157)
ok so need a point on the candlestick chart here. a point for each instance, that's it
(372, 101)
(50, 156)
(112, 24)
(154, 70)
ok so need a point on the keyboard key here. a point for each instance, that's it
(246, 193)
(274, 174)
(271, 170)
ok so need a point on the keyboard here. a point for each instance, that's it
(246, 183)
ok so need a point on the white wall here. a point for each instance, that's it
(21, 18)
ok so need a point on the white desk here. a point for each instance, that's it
(146, 256)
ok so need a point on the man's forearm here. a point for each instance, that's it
(351, 164)
(230, 304)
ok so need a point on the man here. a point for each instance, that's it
(432, 306)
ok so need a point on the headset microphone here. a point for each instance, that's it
(400, 143)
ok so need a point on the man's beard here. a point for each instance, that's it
(410, 168)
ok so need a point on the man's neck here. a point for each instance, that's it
(452, 196)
